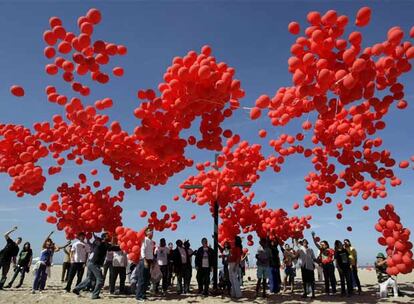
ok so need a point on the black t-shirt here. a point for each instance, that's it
(342, 258)
(24, 257)
(9, 251)
(99, 252)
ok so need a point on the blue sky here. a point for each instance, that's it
(250, 36)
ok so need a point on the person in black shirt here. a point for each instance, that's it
(7, 254)
(274, 267)
(204, 263)
(344, 268)
(95, 264)
(23, 265)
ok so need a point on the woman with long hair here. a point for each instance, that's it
(45, 262)
(344, 268)
(234, 266)
(23, 265)
(326, 258)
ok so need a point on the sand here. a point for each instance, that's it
(55, 294)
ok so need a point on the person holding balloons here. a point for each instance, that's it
(143, 268)
(384, 279)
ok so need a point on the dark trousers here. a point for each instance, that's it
(5, 266)
(40, 278)
(17, 270)
(203, 279)
(65, 271)
(308, 278)
(180, 273)
(143, 278)
(170, 273)
(188, 273)
(94, 274)
(355, 277)
(75, 269)
(275, 279)
(165, 278)
(121, 271)
(345, 276)
(329, 276)
(227, 284)
(107, 267)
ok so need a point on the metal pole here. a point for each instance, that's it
(215, 266)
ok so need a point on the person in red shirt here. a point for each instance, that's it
(234, 267)
(326, 258)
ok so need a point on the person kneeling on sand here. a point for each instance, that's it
(384, 279)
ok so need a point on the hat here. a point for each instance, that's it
(380, 255)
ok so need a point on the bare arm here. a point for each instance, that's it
(314, 241)
(6, 235)
(57, 248)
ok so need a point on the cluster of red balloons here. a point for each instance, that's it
(166, 220)
(196, 85)
(238, 167)
(340, 81)
(245, 217)
(80, 208)
(226, 182)
(130, 242)
(396, 238)
(20, 150)
(83, 56)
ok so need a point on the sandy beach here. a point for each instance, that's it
(55, 294)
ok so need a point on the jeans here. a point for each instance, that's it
(345, 276)
(17, 270)
(40, 278)
(203, 279)
(143, 278)
(5, 266)
(355, 277)
(329, 275)
(75, 268)
(94, 273)
(121, 271)
(274, 279)
(234, 280)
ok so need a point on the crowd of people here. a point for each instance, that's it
(160, 265)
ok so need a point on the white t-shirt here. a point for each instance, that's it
(147, 249)
(183, 255)
(79, 251)
(162, 255)
(119, 259)
(204, 261)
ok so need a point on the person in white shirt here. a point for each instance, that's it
(79, 255)
(144, 265)
(308, 259)
(162, 252)
(119, 263)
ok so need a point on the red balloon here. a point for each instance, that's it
(17, 90)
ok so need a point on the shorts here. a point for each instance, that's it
(262, 272)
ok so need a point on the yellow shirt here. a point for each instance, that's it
(353, 256)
